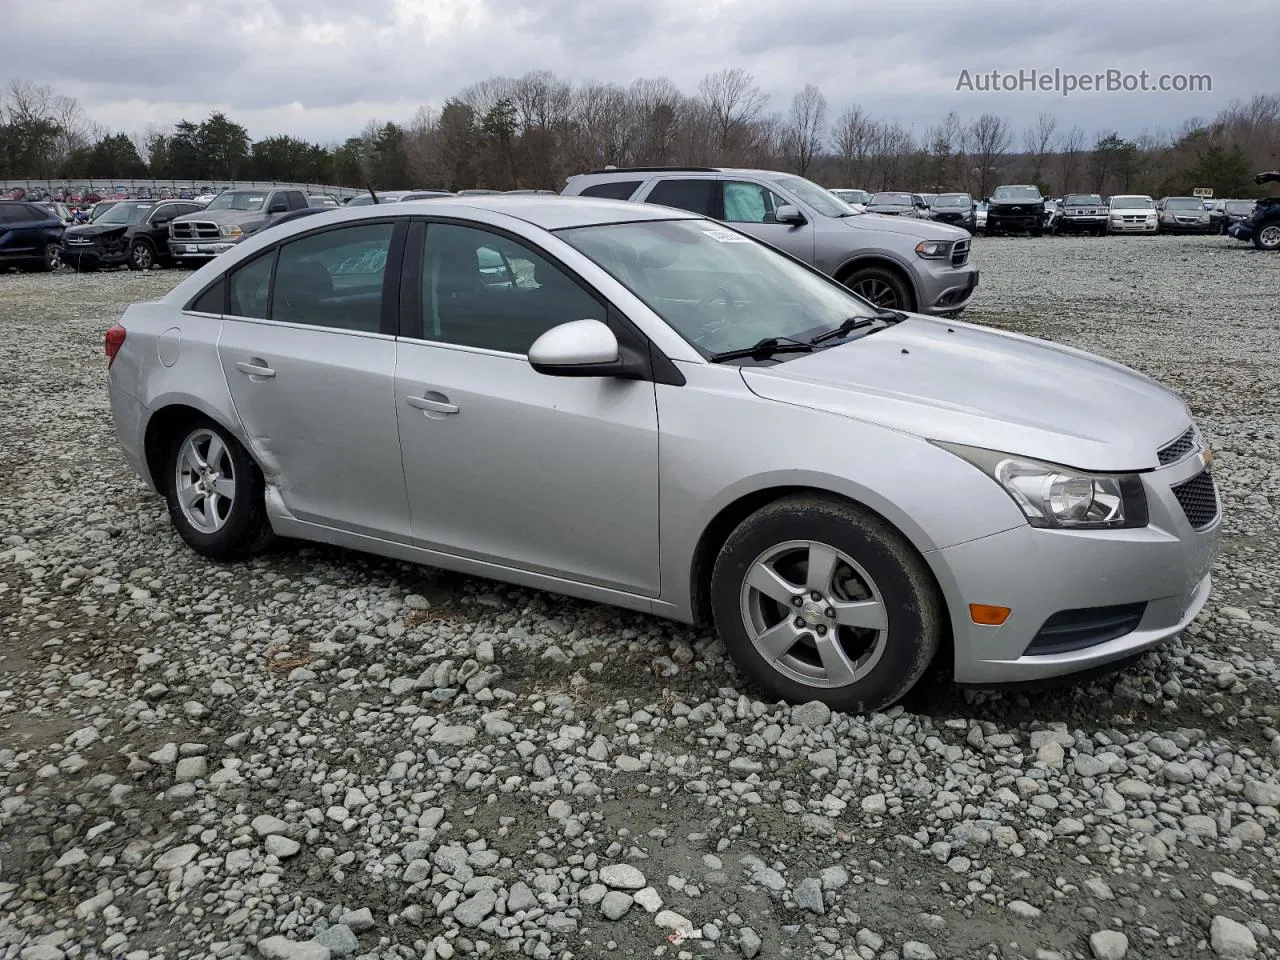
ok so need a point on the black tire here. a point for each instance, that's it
(912, 606)
(1266, 236)
(1037, 231)
(142, 256)
(882, 287)
(243, 528)
(990, 231)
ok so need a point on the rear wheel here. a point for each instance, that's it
(1267, 236)
(51, 258)
(817, 599)
(141, 256)
(215, 493)
(882, 287)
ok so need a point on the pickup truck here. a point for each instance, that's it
(230, 217)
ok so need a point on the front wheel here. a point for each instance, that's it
(214, 492)
(818, 599)
(141, 256)
(1267, 237)
(881, 287)
(51, 258)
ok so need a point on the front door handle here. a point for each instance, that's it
(433, 403)
(255, 368)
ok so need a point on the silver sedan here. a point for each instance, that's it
(623, 403)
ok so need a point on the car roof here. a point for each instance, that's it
(551, 212)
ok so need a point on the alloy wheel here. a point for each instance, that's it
(1269, 236)
(205, 481)
(877, 292)
(53, 256)
(814, 614)
(142, 258)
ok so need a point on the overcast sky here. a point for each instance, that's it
(322, 68)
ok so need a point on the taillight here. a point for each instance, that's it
(114, 341)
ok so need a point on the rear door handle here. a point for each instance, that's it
(255, 368)
(433, 403)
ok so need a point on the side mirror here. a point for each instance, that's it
(789, 213)
(579, 348)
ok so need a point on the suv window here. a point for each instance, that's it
(612, 189)
(480, 289)
(296, 199)
(250, 287)
(696, 196)
(750, 203)
(333, 278)
(12, 213)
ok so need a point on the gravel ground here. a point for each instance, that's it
(321, 754)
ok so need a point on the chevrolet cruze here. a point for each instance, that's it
(647, 408)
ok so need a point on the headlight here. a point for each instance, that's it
(231, 230)
(933, 249)
(1050, 495)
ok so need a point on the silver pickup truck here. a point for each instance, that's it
(230, 217)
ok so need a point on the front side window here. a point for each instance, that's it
(750, 203)
(612, 189)
(485, 290)
(696, 196)
(333, 278)
(251, 287)
(717, 288)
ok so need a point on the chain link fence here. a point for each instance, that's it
(154, 188)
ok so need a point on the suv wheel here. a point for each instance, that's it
(817, 599)
(882, 287)
(1267, 236)
(52, 258)
(141, 256)
(215, 493)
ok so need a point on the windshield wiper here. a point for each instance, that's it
(762, 349)
(850, 324)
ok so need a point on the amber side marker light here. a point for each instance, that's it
(987, 615)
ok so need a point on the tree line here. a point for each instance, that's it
(535, 130)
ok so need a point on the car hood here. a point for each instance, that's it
(961, 383)
(93, 230)
(907, 226)
(890, 208)
(223, 216)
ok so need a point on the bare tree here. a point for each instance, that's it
(1036, 140)
(805, 131)
(658, 105)
(733, 100)
(944, 149)
(988, 138)
(854, 139)
(1070, 150)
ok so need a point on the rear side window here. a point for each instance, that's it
(250, 287)
(612, 190)
(696, 196)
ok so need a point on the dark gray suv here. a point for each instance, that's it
(894, 262)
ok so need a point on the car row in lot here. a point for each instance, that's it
(706, 429)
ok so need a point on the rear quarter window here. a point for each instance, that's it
(613, 189)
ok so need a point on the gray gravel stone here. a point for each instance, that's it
(622, 876)
(1231, 939)
(615, 905)
(1109, 945)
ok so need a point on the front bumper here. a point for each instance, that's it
(96, 253)
(199, 249)
(1015, 222)
(1197, 227)
(1119, 226)
(946, 290)
(1038, 573)
(1069, 224)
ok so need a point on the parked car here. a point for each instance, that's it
(1183, 215)
(322, 200)
(1015, 208)
(1263, 225)
(1082, 213)
(957, 209)
(230, 217)
(707, 430)
(852, 196)
(395, 196)
(1231, 212)
(29, 236)
(892, 262)
(132, 232)
(896, 204)
(980, 214)
(1132, 213)
(59, 210)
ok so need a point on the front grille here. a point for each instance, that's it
(960, 253)
(1199, 499)
(193, 230)
(1070, 630)
(1173, 452)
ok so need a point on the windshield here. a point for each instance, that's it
(1184, 203)
(953, 200)
(1132, 203)
(853, 196)
(892, 199)
(1238, 206)
(1082, 200)
(1016, 193)
(236, 200)
(126, 213)
(819, 198)
(100, 208)
(718, 289)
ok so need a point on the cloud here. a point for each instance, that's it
(322, 68)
